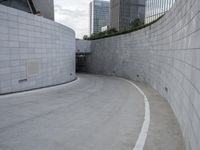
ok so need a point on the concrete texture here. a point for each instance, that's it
(82, 46)
(164, 131)
(165, 55)
(34, 51)
(92, 113)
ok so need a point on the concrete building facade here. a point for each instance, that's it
(44, 7)
(99, 15)
(35, 52)
(123, 12)
(156, 8)
(165, 55)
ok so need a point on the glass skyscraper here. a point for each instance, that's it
(156, 8)
(99, 15)
(123, 12)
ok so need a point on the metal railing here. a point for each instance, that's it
(31, 6)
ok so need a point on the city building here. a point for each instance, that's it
(99, 15)
(44, 8)
(156, 8)
(123, 12)
(105, 28)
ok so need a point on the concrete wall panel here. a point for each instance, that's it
(82, 46)
(167, 56)
(34, 52)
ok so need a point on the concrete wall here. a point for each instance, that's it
(167, 56)
(34, 51)
(82, 46)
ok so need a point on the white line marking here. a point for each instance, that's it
(145, 127)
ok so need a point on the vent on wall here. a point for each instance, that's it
(166, 89)
(23, 80)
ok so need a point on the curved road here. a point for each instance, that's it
(92, 113)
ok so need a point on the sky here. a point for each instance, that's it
(74, 14)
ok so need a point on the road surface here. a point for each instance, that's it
(91, 113)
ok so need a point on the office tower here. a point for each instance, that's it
(123, 12)
(44, 8)
(156, 8)
(99, 15)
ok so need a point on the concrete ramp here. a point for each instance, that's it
(91, 113)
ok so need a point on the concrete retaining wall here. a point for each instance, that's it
(167, 56)
(34, 51)
(82, 46)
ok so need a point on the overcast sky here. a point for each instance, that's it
(74, 14)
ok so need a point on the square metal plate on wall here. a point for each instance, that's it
(33, 68)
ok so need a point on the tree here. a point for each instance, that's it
(85, 37)
(111, 31)
(136, 23)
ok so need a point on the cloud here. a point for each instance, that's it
(74, 14)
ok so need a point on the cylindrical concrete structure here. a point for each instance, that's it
(167, 56)
(34, 52)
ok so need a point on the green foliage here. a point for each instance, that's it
(134, 26)
(102, 34)
(85, 37)
(136, 23)
(112, 30)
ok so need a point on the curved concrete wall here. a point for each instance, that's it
(34, 51)
(167, 56)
